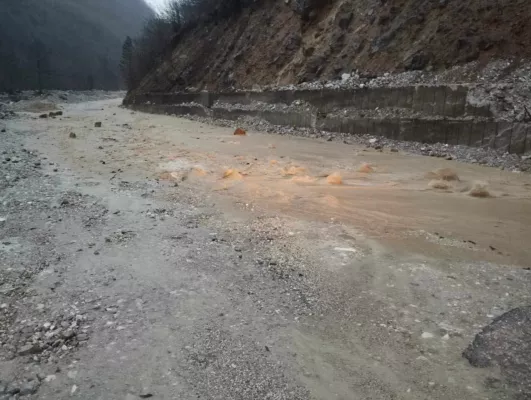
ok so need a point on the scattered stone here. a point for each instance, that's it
(29, 349)
(82, 337)
(427, 335)
(29, 388)
(444, 174)
(439, 184)
(145, 394)
(50, 378)
(68, 334)
(43, 116)
(232, 174)
(72, 135)
(479, 189)
(240, 132)
(334, 179)
(97, 125)
(13, 388)
(346, 249)
(365, 168)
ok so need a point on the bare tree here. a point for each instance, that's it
(41, 57)
(126, 63)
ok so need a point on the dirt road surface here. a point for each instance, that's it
(156, 257)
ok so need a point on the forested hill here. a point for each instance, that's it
(65, 44)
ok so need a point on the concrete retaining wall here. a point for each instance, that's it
(448, 101)
(504, 136)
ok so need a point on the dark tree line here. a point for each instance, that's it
(65, 44)
(160, 33)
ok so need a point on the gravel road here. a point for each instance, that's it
(137, 262)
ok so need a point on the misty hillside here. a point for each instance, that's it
(65, 44)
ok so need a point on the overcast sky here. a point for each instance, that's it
(156, 4)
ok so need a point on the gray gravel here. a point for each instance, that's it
(114, 285)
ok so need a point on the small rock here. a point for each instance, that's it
(97, 125)
(69, 333)
(29, 349)
(43, 116)
(145, 394)
(72, 135)
(50, 378)
(29, 388)
(13, 388)
(82, 337)
(427, 335)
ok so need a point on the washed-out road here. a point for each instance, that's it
(157, 257)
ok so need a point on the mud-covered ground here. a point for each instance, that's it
(156, 257)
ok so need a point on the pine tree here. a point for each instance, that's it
(126, 63)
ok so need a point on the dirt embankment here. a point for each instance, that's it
(270, 44)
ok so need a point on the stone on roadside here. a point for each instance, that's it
(505, 344)
(365, 168)
(68, 334)
(240, 132)
(427, 335)
(145, 393)
(479, 189)
(29, 388)
(13, 388)
(29, 349)
(82, 337)
(334, 179)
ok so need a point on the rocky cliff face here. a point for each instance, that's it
(65, 44)
(269, 43)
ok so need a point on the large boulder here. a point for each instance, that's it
(506, 343)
